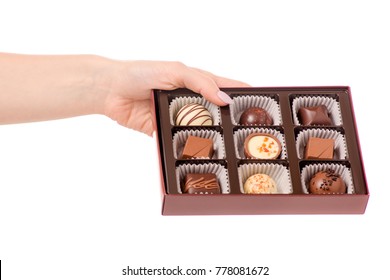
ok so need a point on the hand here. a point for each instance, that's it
(128, 101)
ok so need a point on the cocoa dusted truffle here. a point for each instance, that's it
(316, 115)
(327, 182)
(193, 114)
(262, 146)
(260, 184)
(255, 116)
(201, 183)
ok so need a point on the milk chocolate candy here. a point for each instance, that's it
(198, 147)
(201, 183)
(316, 115)
(319, 148)
(327, 182)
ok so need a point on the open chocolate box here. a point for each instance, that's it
(291, 170)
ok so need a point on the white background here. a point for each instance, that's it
(80, 198)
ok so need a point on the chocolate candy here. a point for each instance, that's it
(198, 147)
(260, 184)
(327, 182)
(262, 146)
(193, 114)
(255, 116)
(317, 115)
(197, 183)
(319, 148)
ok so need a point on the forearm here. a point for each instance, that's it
(36, 88)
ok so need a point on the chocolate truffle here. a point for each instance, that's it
(193, 114)
(260, 184)
(327, 182)
(316, 115)
(262, 146)
(319, 148)
(255, 116)
(197, 183)
(198, 147)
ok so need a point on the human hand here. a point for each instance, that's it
(128, 98)
(47, 87)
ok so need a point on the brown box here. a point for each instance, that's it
(233, 200)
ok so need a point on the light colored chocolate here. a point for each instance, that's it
(260, 184)
(193, 114)
(262, 146)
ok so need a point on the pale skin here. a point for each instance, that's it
(47, 87)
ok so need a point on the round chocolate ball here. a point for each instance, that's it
(327, 182)
(193, 114)
(255, 116)
(260, 183)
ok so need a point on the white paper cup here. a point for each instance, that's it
(340, 148)
(241, 103)
(179, 102)
(279, 173)
(331, 104)
(219, 170)
(310, 170)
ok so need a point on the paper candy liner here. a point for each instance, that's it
(179, 102)
(310, 170)
(219, 170)
(241, 103)
(180, 138)
(241, 134)
(309, 101)
(340, 148)
(277, 172)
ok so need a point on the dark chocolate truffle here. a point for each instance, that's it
(198, 147)
(327, 182)
(255, 116)
(193, 114)
(262, 146)
(319, 148)
(201, 183)
(316, 115)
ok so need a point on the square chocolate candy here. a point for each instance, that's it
(198, 147)
(319, 148)
(201, 183)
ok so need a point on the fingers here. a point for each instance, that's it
(202, 82)
(223, 82)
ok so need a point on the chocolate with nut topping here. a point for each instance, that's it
(327, 182)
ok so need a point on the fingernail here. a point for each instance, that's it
(224, 97)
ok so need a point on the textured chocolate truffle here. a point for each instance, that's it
(327, 182)
(193, 114)
(198, 147)
(201, 183)
(319, 148)
(262, 146)
(260, 183)
(255, 116)
(316, 115)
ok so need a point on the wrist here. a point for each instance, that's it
(101, 76)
